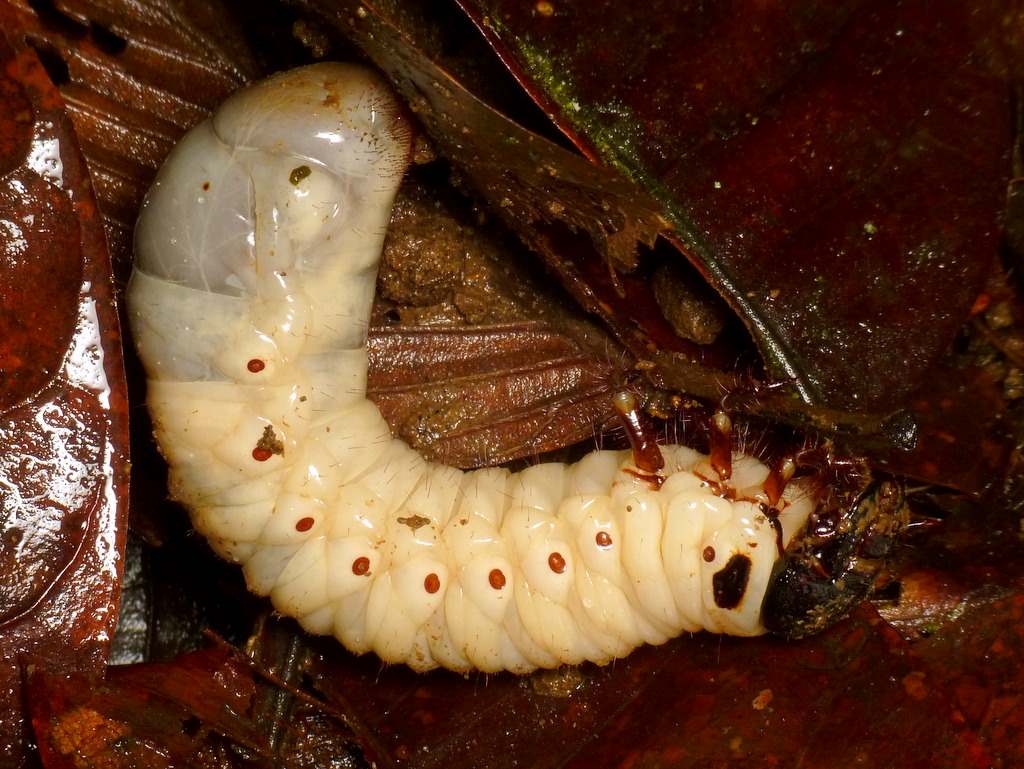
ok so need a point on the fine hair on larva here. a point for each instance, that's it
(256, 259)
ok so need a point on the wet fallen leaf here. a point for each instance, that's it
(154, 715)
(63, 410)
(448, 402)
(473, 359)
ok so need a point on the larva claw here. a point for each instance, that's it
(780, 475)
(832, 567)
(720, 439)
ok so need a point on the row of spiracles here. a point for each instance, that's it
(256, 259)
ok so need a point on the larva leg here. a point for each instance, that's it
(256, 257)
(646, 454)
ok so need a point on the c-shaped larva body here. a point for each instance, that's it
(256, 258)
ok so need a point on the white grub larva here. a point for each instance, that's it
(256, 258)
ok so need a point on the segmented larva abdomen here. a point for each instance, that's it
(256, 258)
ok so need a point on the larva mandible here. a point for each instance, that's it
(256, 259)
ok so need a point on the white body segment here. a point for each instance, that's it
(256, 259)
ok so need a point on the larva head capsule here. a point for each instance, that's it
(832, 567)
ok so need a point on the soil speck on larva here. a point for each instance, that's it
(269, 442)
(414, 521)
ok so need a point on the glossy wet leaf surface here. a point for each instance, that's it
(63, 411)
